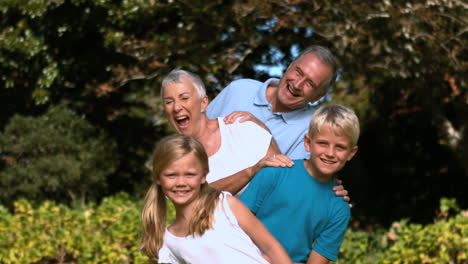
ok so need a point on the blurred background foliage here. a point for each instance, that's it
(404, 68)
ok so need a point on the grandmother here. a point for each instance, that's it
(236, 151)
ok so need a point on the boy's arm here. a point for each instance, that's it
(316, 258)
(258, 233)
(329, 241)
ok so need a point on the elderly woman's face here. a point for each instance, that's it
(184, 108)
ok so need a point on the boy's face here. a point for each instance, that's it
(328, 153)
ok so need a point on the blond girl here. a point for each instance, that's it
(210, 226)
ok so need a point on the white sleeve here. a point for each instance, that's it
(166, 256)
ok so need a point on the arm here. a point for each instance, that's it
(316, 258)
(234, 183)
(258, 233)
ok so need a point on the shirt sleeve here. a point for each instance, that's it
(298, 151)
(217, 107)
(259, 189)
(166, 256)
(329, 241)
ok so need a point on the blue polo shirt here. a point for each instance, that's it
(288, 129)
(303, 214)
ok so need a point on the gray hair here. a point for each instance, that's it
(326, 57)
(177, 75)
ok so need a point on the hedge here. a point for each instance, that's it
(110, 233)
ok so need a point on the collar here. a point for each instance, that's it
(260, 99)
(289, 117)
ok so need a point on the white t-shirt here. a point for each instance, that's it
(226, 243)
(242, 146)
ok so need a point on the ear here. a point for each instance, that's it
(307, 142)
(203, 180)
(352, 153)
(318, 96)
(157, 181)
(204, 103)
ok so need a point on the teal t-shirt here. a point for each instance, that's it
(300, 212)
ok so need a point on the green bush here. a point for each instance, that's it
(53, 233)
(58, 156)
(110, 233)
(443, 242)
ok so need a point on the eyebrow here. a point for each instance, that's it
(308, 79)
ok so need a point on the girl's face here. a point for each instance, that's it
(182, 179)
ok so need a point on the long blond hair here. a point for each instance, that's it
(153, 215)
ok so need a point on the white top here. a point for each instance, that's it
(226, 243)
(242, 146)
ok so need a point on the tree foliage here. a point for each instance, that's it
(56, 156)
(403, 71)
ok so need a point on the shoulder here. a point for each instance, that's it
(340, 208)
(270, 175)
(243, 85)
(245, 82)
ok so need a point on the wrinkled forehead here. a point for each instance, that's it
(182, 85)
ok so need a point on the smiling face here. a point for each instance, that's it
(183, 107)
(329, 152)
(302, 83)
(182, 179)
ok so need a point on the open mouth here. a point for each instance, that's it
(182, 121)
(180, 193)
(291, 91)
(328, 161)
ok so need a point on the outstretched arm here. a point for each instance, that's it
(234, 183)
(265, 241)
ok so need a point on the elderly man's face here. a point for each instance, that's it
(184, 108)
(301, 83)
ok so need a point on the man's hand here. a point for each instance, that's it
(341, 191)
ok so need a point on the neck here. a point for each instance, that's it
(272, 98)
(181, 224)
(314, 172)
(209, 135)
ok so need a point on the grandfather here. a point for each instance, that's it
(284, 105)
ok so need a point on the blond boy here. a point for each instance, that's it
(297, 204)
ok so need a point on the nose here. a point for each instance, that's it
(330, 152)
(180, 181)
(177, 106)
(299, 82)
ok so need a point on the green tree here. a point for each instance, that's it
(403, 70)
(58, 155)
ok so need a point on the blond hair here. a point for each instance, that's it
(153, 215)
(340, 119)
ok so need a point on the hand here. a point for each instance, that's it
(341, 191)
(242, 116)
(276, 160)
(271, 160)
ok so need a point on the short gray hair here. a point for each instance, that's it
(326, 57)
(177, 75)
